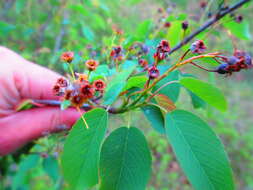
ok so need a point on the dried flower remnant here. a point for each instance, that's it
(143, 63)
(67, 56)
(91, 64)
(240, 60)
(185, 25)
(116, 53)
(198, 47)
(153, 72)
(78, 100)
(87, 91)
(56, 89)
(167, 25)
(62, 82)
(239, 18)
(99, 85)
(162, 50)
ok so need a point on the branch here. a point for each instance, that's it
(209, 23)
(85, 107)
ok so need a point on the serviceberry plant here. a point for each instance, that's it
(126, 147)
(130, 73)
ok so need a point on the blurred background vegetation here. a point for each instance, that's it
(41, 30)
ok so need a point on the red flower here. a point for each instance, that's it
(198, 47)
(91, 64)
(78, 100)
(56, 89)
(68, 94)
(99, 85)
(87, 91)
(153, 72)
(162, 50)
(62, 82)
(116, 53)
(112, 54)
(67, 56)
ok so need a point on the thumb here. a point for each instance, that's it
(21, 127)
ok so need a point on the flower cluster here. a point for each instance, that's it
(240, 60)
(116, 53)
(79, 90)
(162, 50)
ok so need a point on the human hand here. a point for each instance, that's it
(19, 80)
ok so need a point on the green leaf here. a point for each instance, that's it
(125, 161)
(114, 88)
(122, 76)
(143, 29)
(82, 148)
(24, 105)
(172, 90)
(50, 165)
(197, 102)
(174, 33)
(155, 117)
(199, 151)
(136, 81)
(240, 30)
(113, 92)
(205, 91)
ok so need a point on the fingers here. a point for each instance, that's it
(31, 80)
(19, 128)
(22, 79)
(36, 82)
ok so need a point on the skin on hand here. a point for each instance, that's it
(19, 80)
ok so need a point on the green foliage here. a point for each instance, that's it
(155, 117)
(136, 81)
(173, 90)
(240, 30)
(48, 28)
(199, 151)
(118, 84)
(82, 149)
(205, 91)
(125, 161)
